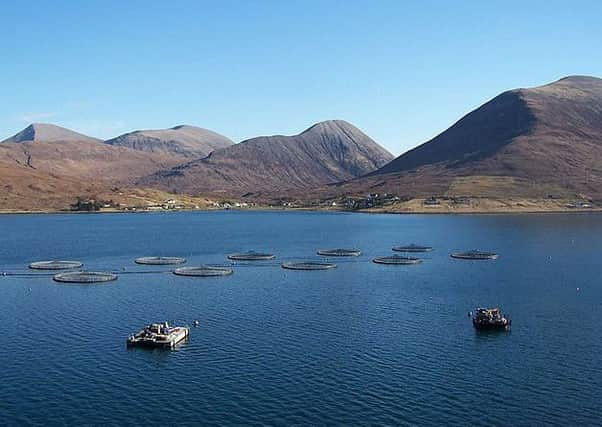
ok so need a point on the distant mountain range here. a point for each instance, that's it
(327, 152)
(46, 166)
(533, 143)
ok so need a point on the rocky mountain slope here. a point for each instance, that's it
(327, 152)
(48, 167)
(539, 142)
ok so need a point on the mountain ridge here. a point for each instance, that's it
(327, 151)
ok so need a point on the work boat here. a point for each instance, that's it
(490, 319)
(159, 335)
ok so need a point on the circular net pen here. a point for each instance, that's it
(55, 265)
(251, 256)
(397, 260)
(84, 277)
(412, 248)
(475, 255)
(203, 271)
(160, 260)
(308, 265)
(339, 252)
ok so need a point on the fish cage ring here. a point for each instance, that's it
(397, 260)
(84, 277)
(55, 265)
(251, 256)
(309, 265)
(203, 271)
(412, 248)
(339, 252)
(476, 255)
(160, 260)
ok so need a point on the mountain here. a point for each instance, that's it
(327, 152)
(183, 140)
(531, 142)
(47, 167)
(47, 133)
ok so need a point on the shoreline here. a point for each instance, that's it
(309, 209)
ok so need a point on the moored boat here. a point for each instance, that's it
(490, 319)
(159, 335)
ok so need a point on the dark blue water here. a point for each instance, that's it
(363, 344)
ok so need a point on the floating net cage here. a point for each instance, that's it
(397, 260)
(478, 255)
(55, 265)
(251, 256)
(203, 271)
(84, 277)
(309, 265)
(160, 260)
(412, 248)
(339, 252)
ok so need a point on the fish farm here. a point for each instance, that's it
(397, 260)
(474, 254)
(309, 265)
(339, 252)
(203, 271)
(55, 265)
(160, 260)
(251, 256)
(76, 275)
(84, 277)
(412, 248)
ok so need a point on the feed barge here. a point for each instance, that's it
(490, 319)
(159, 335)
(474, 254)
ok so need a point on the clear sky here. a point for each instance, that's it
(402, 71)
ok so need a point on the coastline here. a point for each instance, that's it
(372, 211)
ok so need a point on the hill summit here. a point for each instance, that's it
(537, 141)
(48, 133)
(184, 140)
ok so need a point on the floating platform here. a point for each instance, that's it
(309, 265)
(55, 265)
(84, 277)
(488, 319)
(251, 256)
(160, 260)
(397, 260)
(412, 248)
(159, 335)
(474, 254)
(339, 252)
(203, 271)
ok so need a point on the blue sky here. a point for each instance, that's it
(401, 71)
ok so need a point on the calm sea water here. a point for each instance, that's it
(363, 344)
